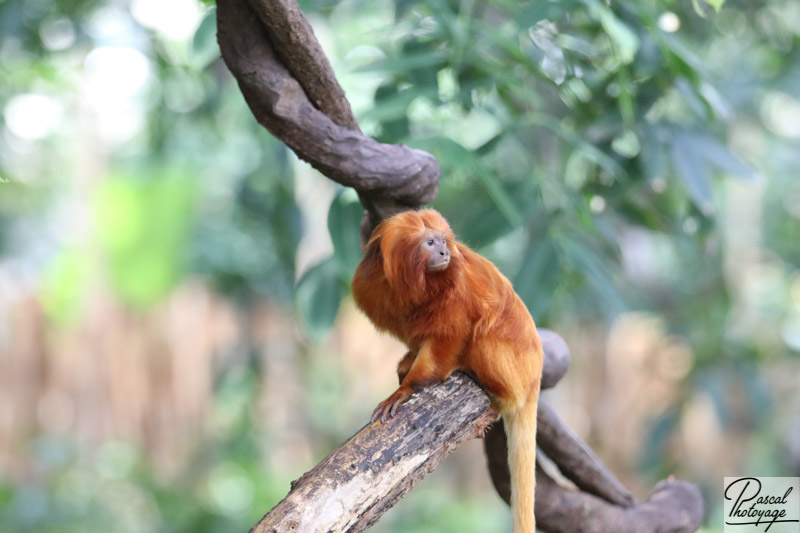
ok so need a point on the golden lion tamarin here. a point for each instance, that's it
(454, 310)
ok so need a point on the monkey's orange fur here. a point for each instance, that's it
(467, 317)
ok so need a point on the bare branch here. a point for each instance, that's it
(294, 39)
(370, 472)
(389, 178)
(352, 487)
(556, 357)
(574, 459)
(572, 456)
(673, 507)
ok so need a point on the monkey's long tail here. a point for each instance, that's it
(520, 427)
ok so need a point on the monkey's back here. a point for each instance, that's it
(505, 351)
(500, 312)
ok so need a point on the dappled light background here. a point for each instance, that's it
(177, 340)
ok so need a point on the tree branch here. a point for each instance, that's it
(556, 357)
(351, 488)
(363, 478)
(293, 38)
(576, 461)
(673, 507)
(389, 178)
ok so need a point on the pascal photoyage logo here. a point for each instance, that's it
(762, 504)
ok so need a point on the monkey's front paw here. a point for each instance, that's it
(388, 407)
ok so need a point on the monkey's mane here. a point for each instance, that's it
(404, 265)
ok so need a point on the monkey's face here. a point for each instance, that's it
(433, 245)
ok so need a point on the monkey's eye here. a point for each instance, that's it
(430, 242)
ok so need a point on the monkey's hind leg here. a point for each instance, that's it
(404, 366)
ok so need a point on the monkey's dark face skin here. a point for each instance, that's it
(434, 245)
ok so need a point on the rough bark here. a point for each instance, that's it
(351, 488)
(363, 478)
(389, 178)
(293, 38)
(372, 470)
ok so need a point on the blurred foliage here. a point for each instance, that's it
(586, 147)
(114, 488)
(142, 229)
(562, 119)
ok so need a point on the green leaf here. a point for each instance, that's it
(644, 215)
(427, 59)
(344, 226)
(394, 124)
(592, 268)
(697, 9)
(589, 150)
(537, 277)
(690, 169)
(318, 295)
(716, 153)
(577, 170)
(653, 158)
(393, 106)
(626, 144)
(458, 159)
(401, 7)
(204, 44)
(692, 64)
(625, 40)
(690, 97)
(498, 195)
(716, 4)
(531, 13)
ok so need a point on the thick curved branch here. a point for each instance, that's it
(293, 38)
(673, 507)
(556, 357)
(363, 478)
(572, 456)
(576, 460)
(389, 178)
